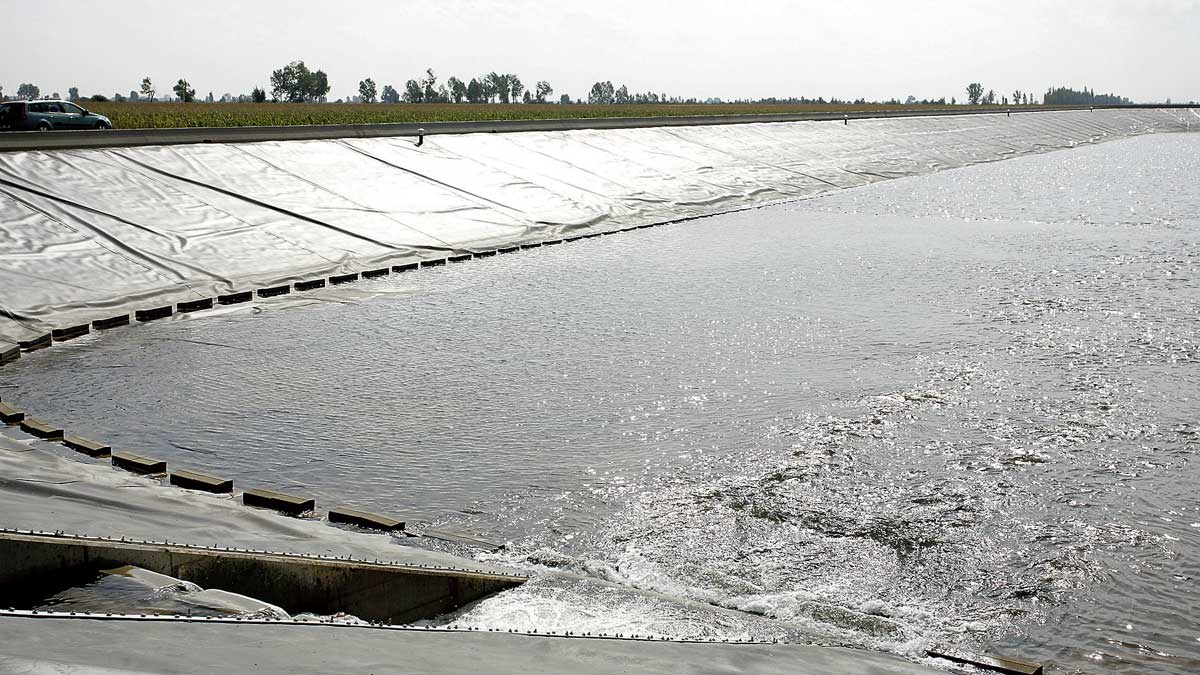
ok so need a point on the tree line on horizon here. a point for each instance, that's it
(297, 83)
(491, 88)
(1067, 96)
(1053, 96)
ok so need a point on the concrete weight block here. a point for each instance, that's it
(278, 501)
(138, 463)
(193, 480)
(89, 448)
(372, 521)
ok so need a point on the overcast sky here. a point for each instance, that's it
(878, 49)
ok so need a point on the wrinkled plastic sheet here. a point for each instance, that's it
(89, 234)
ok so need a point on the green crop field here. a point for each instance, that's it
(143, 115)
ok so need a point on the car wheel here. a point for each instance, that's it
(102, 126)
(44, 126)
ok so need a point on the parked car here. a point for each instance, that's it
(48, 116)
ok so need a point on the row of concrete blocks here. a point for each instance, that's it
(154, 313)
(285, 503)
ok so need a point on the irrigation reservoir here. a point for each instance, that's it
(957, 407)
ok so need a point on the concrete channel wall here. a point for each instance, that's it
(35, 566)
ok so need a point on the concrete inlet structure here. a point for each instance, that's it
(33, 567)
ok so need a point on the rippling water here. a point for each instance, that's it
(958, 408)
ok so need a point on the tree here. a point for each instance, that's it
(990, 98)
(413, 92)
(475, 92)
(496, 85)
(316, 86)
(974, 93)
(285, 82)
(389, 95)
(1016, 97)
(259, 95)
(542, 91)
(488, 85)
(148, 88)
(1068, 96)
(515, 86)
(428, 90)
(73, 93)
(184, 91)
(366, 90)
(504, 89)
(295, 83)
(457, 89)
(565, 99)
(528, 98)
(622, 95)
(601, 94)
(28, 91)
